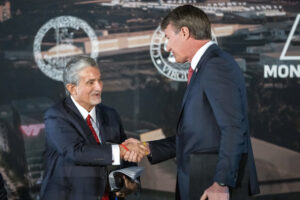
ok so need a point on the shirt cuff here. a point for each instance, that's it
(115, 154)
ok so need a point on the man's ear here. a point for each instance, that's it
(71, 88)
(185, 32)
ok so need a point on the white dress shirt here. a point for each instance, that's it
(95, 124)
(199, 54)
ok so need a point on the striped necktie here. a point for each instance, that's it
(89, 122)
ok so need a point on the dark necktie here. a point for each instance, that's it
(88, 120)
(190, 73)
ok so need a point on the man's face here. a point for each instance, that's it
(176, 44)
(88, 91)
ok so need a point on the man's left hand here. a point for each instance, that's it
(216, 192)
(128, 188)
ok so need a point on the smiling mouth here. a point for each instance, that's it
(96, 94)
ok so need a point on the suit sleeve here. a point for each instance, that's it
(223, 92)
(123, 137)
(162, 150)
(62, 136)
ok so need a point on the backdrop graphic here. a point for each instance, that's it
(142, 80)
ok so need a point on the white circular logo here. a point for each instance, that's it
(58, 40)
(165, 61)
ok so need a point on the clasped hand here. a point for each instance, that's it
(135, 151)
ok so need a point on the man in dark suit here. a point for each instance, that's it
(82, 139)
(212, 145)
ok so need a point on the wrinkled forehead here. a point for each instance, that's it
(89, 72)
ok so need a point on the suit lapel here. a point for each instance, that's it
(79, 122)
(206, 56)
(101, 119)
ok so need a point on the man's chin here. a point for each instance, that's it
(181, 61)
(96, 101)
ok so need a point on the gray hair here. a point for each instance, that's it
(73, 67)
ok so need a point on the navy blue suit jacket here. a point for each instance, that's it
(213, 118)
(75, 165)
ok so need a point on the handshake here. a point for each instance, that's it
(133, 150)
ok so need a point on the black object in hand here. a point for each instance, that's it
(119, 181)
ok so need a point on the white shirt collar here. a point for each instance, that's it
(199, 54)
(84, 112)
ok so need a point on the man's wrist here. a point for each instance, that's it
(147, 153)
(122, 151)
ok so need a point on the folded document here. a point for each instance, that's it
(115, 177)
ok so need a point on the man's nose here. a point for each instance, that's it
(168, 48)
(98, 85)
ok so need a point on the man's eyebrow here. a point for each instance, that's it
(91, 79)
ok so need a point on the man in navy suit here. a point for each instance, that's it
(212, 145)
(82, 139)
